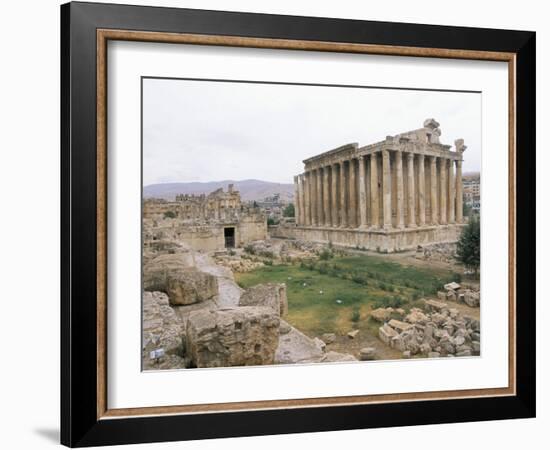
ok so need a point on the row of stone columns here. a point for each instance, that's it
(353, 194)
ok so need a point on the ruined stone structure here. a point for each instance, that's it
(388, 196)
(203, 222)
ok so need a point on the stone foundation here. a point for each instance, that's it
(383, 241)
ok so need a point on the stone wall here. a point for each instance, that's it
(376, 240)
(209, 237)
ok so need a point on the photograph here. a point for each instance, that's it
(287, 223)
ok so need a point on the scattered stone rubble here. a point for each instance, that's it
(385, 314)
(238, 264)
(437, 331)
(454, 292)
(445, 252)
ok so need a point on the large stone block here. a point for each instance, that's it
(188, 286)
(471, 298)
(272, 295)
(156, 271)
(386, 334)
(242, 336)
(162, 328)
(381, 314)
(399, 326)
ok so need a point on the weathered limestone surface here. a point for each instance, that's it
(229, 291)
(272, 295)
(155, 272)
(386, 334)
(331, 357)
(381, 314)
(161, 327)
(243, 336)
(188, 286)
(295, 347)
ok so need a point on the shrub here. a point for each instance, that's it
(456, 277)
(250, 249)
(395, 302)
(467, 249)
(357, 278)
(323, 269)
(355, 315)
(289, 210)
(326, 254)
(169, 215)
(267, 254)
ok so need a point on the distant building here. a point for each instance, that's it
(204, 222)
(472, 196)
(273, 206)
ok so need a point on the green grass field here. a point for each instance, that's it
(335, 295)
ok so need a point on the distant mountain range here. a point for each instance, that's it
(249, 189)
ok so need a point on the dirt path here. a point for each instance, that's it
(229, 293)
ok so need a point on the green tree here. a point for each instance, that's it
(289, 210)
(467, 249)
(169, 215)
(466, 210)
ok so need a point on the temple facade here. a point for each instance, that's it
(389, 196)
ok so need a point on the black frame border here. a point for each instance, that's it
(79, 423)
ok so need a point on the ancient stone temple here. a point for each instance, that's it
(388, 196)
(207, 222)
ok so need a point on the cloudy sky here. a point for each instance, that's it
(210, 131)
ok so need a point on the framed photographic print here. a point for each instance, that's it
(277, 224)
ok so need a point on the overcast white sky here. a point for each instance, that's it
(210, 131)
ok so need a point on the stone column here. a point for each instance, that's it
(352, 209)
(459, 193)
(411, 199)
(302, 200)
(452, 202)
(386, 187)
(343, 203)
(434, 219)
(399, 195)
(326, 198)
(313, 197)
(421, 193)
(296, 200)
(362, 193)
(334, 195)
(320, 195)
(443, 191)
(374, 205)
(307, 199)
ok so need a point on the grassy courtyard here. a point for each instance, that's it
(335, 295)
